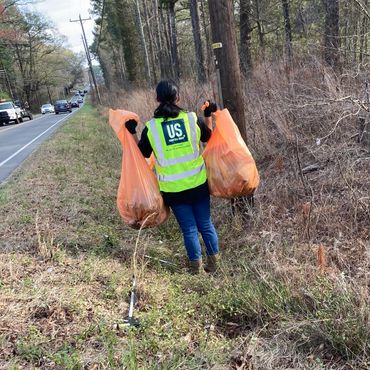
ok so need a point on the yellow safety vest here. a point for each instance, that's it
(179, 165)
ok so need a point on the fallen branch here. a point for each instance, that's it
(337, 123)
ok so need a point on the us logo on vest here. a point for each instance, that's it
(174, 132)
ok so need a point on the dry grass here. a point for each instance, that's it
(65, 266)
(287, 112)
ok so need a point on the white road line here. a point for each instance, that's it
(32, 141)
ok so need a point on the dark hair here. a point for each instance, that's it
(167, 94)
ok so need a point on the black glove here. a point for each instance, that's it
(131, 126)
(211, 108)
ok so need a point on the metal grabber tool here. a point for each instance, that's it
(130, 320)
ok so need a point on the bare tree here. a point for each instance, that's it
(205, 25)
(143, 41)
(199, 58)
(288, 31)
(331, 37)
(173, 37)
(5, 4)
(245, 38)
(151, 40)
(363, 36)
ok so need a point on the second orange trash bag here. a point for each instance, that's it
(138, 197)
(231, 169)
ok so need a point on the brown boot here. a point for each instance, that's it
(212, 263)
(195, 267)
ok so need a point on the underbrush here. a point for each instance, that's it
(279, 301)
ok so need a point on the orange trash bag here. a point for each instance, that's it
(231, 169)
(139, 200)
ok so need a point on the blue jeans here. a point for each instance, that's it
(193, 218)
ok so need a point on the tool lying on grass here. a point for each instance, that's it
(162, 261)
(130, 320)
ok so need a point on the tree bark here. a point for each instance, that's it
(288, 31)
(139, 24)
(160, 50)
(331, 38)
(223, 30)
(363, 36)
(167, 43)
(151, 41)
(206, 33)
(245, 38)
(259, 26)
(173, 38)
(199, 58)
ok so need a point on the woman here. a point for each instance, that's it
(174, 136)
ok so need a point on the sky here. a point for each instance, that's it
(60, 12)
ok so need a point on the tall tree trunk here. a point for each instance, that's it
(245, 38)
(223, 30)
(347, 40)
(199, 58)
(158, 33)
(331, 38)
(49, 95)
(288, 31)
(128, 39)
(259, 26)
(122, 66)
(165, 34)
(169, 41)
(139, 24)
(206, 33)
(355, 39)
(366, 23)
(151, 41)
(173, 38)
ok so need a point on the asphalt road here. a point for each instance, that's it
(17, 142)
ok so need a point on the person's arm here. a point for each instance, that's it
(143, 143)
(205, 131)
(208, 122)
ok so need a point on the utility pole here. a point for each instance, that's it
(90, 79)
(88, 57)
(221, 13)
(227, 60)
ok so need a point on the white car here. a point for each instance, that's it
(10, 112)
(47, 108)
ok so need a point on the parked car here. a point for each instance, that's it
(80, 100)
(47, 108)
(10, 112)
(62, 106)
